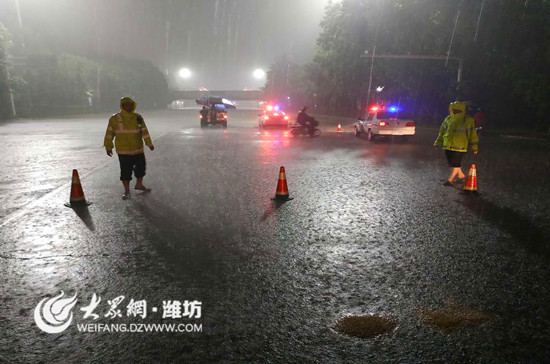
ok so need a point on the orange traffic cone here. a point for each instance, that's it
(77, 198)
(339, 128)
(471, 182)
(282, 189)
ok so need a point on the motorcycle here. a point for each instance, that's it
(311, 130)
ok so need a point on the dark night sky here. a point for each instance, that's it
(221, 41)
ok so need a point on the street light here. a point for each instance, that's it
(185, 73)
(259, 74)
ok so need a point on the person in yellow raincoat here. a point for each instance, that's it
(456, 135)
(129, 131)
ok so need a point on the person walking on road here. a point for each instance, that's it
(456, 135)
(129, 131)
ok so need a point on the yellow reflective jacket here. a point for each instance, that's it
(458, 131)
(129, 131)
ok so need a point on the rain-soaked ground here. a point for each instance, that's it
(371, 231)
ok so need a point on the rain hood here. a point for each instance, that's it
(126, 100)
(458, 105)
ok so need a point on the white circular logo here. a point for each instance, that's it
(54, 315)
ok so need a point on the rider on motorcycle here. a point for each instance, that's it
(306, 121)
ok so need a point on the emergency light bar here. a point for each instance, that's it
(380, 108)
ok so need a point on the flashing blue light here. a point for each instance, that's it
(393, 109)
(276, 107)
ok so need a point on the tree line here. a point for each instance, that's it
(45, 84)
(504, 44)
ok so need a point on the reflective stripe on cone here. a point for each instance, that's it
(281, 194)
(471, 182)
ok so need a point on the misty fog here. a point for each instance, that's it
(221, 41)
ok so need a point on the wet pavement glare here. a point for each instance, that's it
(371, 232)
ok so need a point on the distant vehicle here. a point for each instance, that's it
(217, 107)
(272, 116)
(176, 105)
(216, 116)
(384, 121)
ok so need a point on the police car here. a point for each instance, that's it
(383, 121)
(272, 116)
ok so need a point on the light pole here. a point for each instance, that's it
(459, 60)
(12, 101)
(400, 56)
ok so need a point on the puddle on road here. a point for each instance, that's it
(454, 318)
(364, 327)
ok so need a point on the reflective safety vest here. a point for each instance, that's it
(129, 131)
(457, 134)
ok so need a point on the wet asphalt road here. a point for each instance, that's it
(371, 231)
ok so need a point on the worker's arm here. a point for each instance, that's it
(473, 138)
(442, 130)
(109, 135)
(145, 133)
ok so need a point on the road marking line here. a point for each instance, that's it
(25, 209)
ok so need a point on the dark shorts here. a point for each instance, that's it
(129, 163)
(454, 158)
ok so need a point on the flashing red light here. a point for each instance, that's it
(383, 123)
(200, 115)
(410, 123)
(225, 116)
(269, 107)
(286, 117)
(266, 117)
(374, 108)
